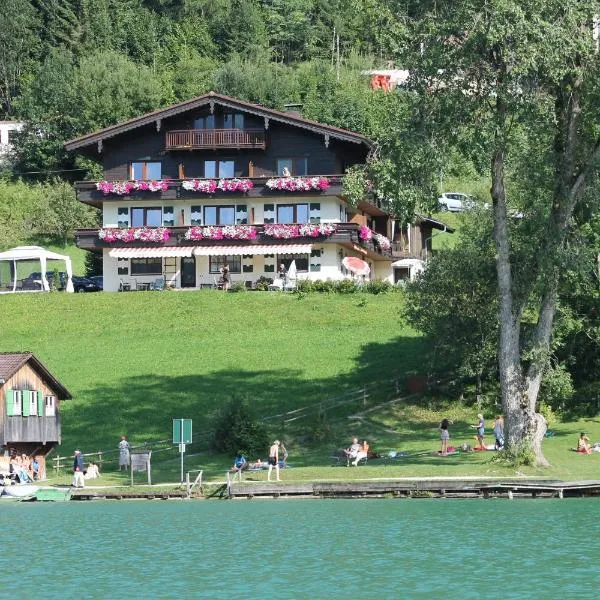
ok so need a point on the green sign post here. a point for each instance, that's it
(182, 435)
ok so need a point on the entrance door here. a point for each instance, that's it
(188, 271)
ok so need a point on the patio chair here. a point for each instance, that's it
(158, 285)
(124, 286)
(276, 286)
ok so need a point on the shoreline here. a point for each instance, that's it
(425, 487)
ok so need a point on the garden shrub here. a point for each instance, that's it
(378, 286)
(236, 428)
(263, 283)
(346, 286)
(238, 286)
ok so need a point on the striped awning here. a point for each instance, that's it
(158, 252)
(279, 249)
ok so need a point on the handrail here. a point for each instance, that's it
(215, 138)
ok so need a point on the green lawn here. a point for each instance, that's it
(135, 361)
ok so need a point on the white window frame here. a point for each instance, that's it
(33, 411)
(18, 402)
(50, 406)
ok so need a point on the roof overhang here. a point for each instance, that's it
(210, 99)
(158, 252)
(435, 224)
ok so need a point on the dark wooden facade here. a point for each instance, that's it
(38, 432)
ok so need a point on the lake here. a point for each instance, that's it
(416, 548)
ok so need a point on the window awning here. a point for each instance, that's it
(159, 252)
(279, 249)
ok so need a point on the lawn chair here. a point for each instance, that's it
(276, 286)
(159, 284)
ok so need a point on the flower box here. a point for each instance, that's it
(140, 234)
(210, 186)
(227, 232)
(286, 232)
(124, 188)
(298, 184)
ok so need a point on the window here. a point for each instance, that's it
(292, 213)
(123, 216)
(295, 166)
(33, 405)
(146, 266)
(146, 170)
(233, 121)
(50, 406)
(168, 216)
(122, 266)
(14, 408)
(222, 169)
(207, 122)
(301, 261)
(215, 263)
(146, 217)
(269, 213)
(196, 215)
(219, 215)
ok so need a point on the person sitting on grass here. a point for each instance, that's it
(583, 444)
(92, 471)
(362, 453)
(240, 463)
(353, 450)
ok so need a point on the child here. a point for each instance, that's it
(444, 436)
(480, 432)
(583, 444)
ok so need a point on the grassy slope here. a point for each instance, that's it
(135, 361)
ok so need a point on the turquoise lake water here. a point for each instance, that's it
(301, 549)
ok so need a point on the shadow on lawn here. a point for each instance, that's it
(143, 406)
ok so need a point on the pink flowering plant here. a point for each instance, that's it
(384, 243)
(205, 186)
(140, 234)
(365, 234)
(228, 232)
(298, 184)
(286, 232)
(124, 188)
(210, 186)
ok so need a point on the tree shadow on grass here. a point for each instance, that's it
(143, 406)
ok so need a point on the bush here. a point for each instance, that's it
(379, 286)
(263, 283)
(346, 286)
(323, 285)
(236, 428)
(305, 286)
(238, 286)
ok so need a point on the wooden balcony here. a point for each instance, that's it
(201, 139)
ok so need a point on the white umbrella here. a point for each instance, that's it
(292, 271)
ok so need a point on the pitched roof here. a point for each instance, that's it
(11, 362)
(213, 98)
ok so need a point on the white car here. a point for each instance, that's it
(455, 201)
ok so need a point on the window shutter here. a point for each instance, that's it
(40, 403)
(10, 402)
(26, 402)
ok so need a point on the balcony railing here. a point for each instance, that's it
(198, 139)
(345, 233)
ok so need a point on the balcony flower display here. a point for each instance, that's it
(298, 184)
(384, 243)
(286, 232)
(210, 186)
(206, 186)
(365, 234)
(235, 185)
(124, 188)
(228, 232)
(140, 234)
(311, 230)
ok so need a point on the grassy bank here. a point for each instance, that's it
(135, 361)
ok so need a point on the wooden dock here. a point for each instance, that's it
(124, 494)
(418, 488)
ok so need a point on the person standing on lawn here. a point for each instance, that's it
(480, 432)
(274, 460)
(124, 450)
(444, 435)
(78, 480)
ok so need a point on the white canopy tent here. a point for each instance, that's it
(29, 253)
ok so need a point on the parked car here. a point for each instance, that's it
(80, 284)
(455, 201)
(98, 280)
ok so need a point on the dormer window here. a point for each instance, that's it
(233, 121)
(207, 122)
(146, 170)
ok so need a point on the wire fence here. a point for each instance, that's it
(360, 398)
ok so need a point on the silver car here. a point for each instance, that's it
(455, 201)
